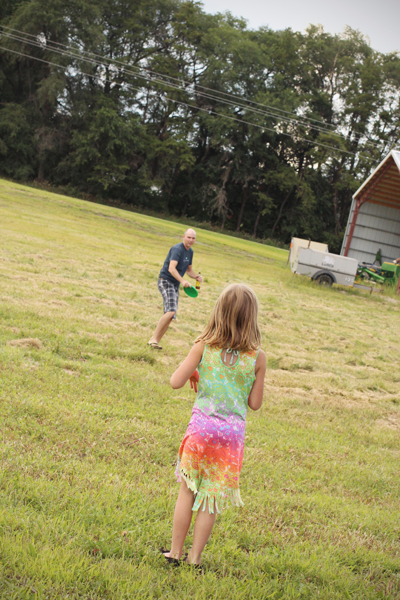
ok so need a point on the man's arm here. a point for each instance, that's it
(174, 272)
(191, 272)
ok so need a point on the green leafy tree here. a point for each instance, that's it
(17, 143)
(158, 104)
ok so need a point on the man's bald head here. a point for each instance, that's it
(189, 238)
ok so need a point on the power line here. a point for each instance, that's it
(207, 110)
(72, 53)
(168, 77)
(178, 86)
(238, 104)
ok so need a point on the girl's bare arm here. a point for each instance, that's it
(256, 394)
(185, 369)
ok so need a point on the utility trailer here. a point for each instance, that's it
(298, 243)
(324, 267)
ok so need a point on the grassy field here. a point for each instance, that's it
(90, 427)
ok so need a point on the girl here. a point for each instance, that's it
(230, 376)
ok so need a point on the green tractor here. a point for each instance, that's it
(388, 273)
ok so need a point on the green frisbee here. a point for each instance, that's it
(191, 291)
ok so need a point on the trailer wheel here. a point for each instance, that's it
(324, 279)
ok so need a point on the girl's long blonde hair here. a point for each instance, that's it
(234, 320)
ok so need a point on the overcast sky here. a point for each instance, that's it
(380, 21)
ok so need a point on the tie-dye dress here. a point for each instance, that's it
(211, 453)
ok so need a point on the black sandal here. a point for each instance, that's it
(154, 345)
(172, 561)
(194, 566)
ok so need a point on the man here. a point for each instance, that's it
(178, 262)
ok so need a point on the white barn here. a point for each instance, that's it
(374, 219)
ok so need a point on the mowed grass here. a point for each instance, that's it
(90, 427)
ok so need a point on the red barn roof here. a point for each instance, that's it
(383, 185)
(381, 188)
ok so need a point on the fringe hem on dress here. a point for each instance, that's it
(220, 499)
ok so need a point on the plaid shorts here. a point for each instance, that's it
(170, 296)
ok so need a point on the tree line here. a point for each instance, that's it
(157, 104)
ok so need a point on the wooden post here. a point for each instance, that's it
(352, 226)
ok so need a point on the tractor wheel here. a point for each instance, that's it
(324, 279)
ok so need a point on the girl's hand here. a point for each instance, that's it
(185, 370)
(194, 380)
(256, 395)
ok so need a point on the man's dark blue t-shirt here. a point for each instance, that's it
(184, 258)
